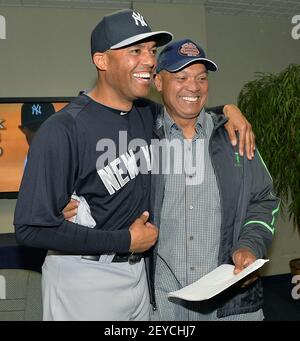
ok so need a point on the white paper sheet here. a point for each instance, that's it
(214, 282)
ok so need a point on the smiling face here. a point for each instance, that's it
(125, 74)
(184, 92)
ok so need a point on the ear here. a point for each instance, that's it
(100, 60)
(158, 82)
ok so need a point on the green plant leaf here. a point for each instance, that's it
(272, 105)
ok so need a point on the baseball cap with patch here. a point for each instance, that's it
(34, 114)
(180, 54)
(124, 28)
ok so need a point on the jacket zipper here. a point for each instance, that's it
(220, 192)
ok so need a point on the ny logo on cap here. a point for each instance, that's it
(138, 18)
(36, 109)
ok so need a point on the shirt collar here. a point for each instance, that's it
(170, 126)
(172, 129)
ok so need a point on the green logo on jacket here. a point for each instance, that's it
(237, 160)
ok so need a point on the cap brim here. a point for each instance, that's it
(210, 65)
(161, 37)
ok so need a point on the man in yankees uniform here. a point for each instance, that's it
(96, 273)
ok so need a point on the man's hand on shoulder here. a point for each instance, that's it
(237, 122)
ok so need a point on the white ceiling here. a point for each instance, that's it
(274, 8)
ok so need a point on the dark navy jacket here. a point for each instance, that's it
(248, 209)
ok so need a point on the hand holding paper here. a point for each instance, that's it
(242, 258)
(215, 282)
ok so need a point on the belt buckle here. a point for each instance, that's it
(133, 259)
(91, 257)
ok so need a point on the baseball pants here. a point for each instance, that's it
(76, 289)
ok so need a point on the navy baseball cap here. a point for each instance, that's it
(34, 114)
(124, 28)
(182, 53)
